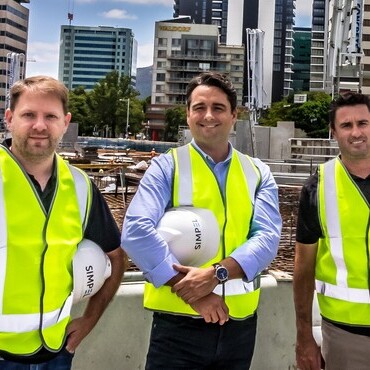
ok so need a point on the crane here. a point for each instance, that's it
(70, 11)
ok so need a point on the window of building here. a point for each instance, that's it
(317, 44)
(316, 60)
(318, 36)
(319, 52)
(161, 76)
(176, 42)
(205, 66)
(162, 42)
(162, 53)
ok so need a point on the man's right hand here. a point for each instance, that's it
(308, 354)
(212, 308)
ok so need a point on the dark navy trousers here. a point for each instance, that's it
(63, 361)
(180, 342)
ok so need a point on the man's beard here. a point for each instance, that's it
(36, 152)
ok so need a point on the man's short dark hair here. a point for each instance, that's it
(349, 98)
(213, 79)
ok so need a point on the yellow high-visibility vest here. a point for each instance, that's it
(342, 262)
(195, 185)
(36, 252)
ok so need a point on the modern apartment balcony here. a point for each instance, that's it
(197, 57)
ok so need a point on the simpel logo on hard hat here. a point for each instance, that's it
(91, 267)
(192, 234)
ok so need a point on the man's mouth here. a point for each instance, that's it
(355, 142)
(209, 125)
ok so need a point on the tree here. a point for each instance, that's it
(311, 116)
(79, 108)
(108, 103)
(174, 118)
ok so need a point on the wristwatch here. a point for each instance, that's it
(221, 273)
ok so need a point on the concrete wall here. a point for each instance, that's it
(279, 140)
(120, 339)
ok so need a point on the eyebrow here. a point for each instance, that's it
(201, 104)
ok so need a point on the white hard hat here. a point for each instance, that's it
(91, 267)
(192, 234)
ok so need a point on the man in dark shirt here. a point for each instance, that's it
(41, 224)
(332, 248)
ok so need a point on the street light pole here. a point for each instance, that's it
(128, 117)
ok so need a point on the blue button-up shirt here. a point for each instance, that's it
(150, 252)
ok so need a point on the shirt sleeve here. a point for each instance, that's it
(308, 229)
(139, 239)
(262, 242)
(101, 226)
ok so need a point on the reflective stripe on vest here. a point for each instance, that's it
(241, 183)
(342, 261)
(186, 185)
(21, 324)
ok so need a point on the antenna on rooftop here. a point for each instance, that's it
(70, 11)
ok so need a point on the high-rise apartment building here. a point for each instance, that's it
(14, 33)
(87, 54)
(182, 50)
(319, 45)
(301, 59)
(274, 17)
(283, 48)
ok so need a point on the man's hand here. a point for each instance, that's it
(77, 330)
(80, 327)
(308, 354)
(212, 308)
(196, 284)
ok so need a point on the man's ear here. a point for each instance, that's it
(67, 121)
(8, 118)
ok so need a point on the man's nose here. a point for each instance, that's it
(356, 131)
(39, 124)
(209, 114)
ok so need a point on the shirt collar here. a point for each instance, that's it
(209, 158)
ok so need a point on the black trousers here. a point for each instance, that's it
(179, 342)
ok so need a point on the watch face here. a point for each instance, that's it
(222, 273)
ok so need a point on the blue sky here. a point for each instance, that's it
(46, 17)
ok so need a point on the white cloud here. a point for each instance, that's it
(118, 14)
(42, 58)
(145, 55)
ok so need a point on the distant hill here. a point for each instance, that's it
(144, 81)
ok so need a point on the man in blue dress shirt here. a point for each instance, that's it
(205, 317)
